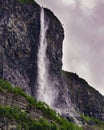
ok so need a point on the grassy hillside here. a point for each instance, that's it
(22, 112)
(92, 123)
(19, 111)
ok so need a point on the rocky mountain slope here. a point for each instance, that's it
(19, 111)
(86, 99)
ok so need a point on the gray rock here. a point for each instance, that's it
(87, 100)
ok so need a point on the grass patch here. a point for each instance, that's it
(95, 123)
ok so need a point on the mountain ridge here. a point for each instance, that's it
(87, 100)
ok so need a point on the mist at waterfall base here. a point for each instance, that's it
(47, 91)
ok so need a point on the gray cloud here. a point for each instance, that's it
(84, 37)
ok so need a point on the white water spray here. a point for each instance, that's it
(45, 92)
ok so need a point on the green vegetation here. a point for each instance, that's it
(51, 120)
(25, 1)
(24, 120)
(95, 123)
(14, 113)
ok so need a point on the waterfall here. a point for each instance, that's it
(47, 91)
(44, 92)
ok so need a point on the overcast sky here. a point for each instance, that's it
(83, 46)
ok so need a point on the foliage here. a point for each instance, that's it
(51, 120)
(14, 113)
(99, 124)
(25, 121)
(25, 1)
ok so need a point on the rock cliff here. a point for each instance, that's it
(86, 99)
(19, 38)
(19, 43)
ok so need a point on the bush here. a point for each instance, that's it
(53, 126)
(36, 126)
(99, 124)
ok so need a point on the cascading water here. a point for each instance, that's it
(46, 89)
(45, 92)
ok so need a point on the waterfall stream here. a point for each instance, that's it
(46, 89)
(45, 92)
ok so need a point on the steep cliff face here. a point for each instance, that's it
(55, 36)
(87, 100)
(19, 38)
(19, 42)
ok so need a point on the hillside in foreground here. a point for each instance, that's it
(21, 112)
